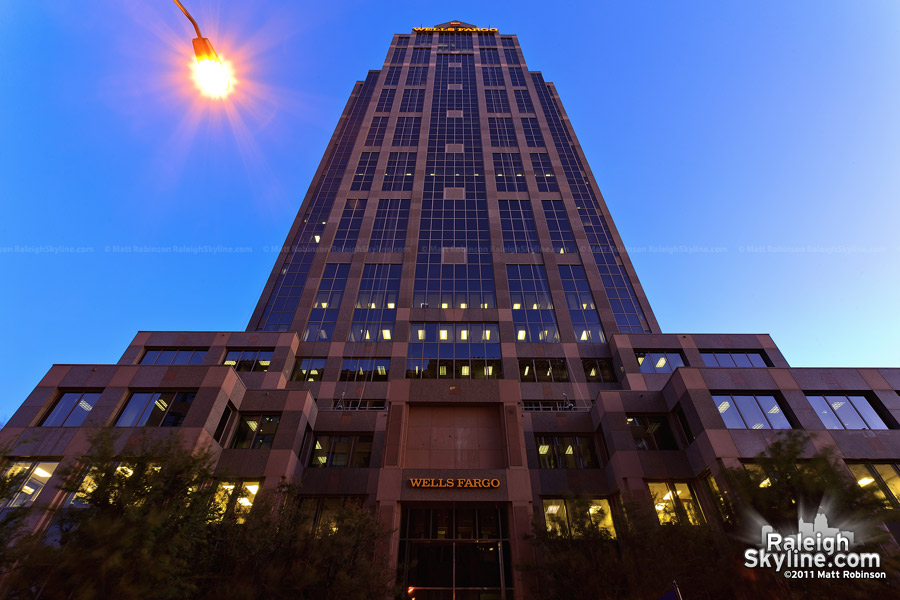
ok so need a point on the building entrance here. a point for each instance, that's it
(456, 552)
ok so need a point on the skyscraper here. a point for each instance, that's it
(454, 334)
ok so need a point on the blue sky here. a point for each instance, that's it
(749, 154)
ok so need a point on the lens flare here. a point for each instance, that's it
(214, 78)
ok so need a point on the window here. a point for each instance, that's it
(496, 101)
(250, 359)
(173, 356)
(509, 173)
(399, 172)
(563, 516)
(651, 432)
(386, 100)
(523, 101)
(256, 431)
(376, 304)
(398, 56)
(347, 233)
(375, 136)
(454, 351)
(393, 76)
(543, 369)
(413, 100)
(846, 412)
(532, 305)
(659, 362)
(493, 76)
(237, 497)
(517, 226)
(308, 369)
(561, 235)
(417, 76)
(406, 133)
(321, 513)
(516, 76)
(751, 412)
(489, 56)
(365, 171)
(338, 450)
(71, 409)
(881, 479)
(546, 405)
(454, 41)
(580, 302)
(503, 133)
(512, 57)
(420, 56)
(30, 479)
(508, 42)
(389, 227)
(566, 452)
(223, 422)
(487, 39)
(598, 370)
(365, 369)
(543, 172)
(533, 136)
(156, 409)
(423, 39)
(327, 304)
(675, 503)
(733, 359)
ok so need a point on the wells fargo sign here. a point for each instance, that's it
(432, 29)
(418, 482)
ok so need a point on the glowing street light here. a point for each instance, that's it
(212, 76)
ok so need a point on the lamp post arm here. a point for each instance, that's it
(190, 18)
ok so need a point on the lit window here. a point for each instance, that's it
(566, 452)
(156, 409)
(341, 451)
(252, 359)
(308, 369)
(572, 516)
(237, 497)
(846, 412)
(256, 431)
(29, 479)
(751, 412)
(71, 409)
(675, 503)
(881, 480)
(659, 362)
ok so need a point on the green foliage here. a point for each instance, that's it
(152, 526)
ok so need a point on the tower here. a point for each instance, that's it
(454, 335)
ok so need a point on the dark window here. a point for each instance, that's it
(489, 56)
(751, 412)
(580, 302)
(348, 228)
(566, 452)
(733, 359)
(598, 369)
(327, 304)
(398, 56)
(543, 369)
(308, 369)
(256, 431)
(339, 450)
(386, 100)
(376, 304)
(652, 432)
(508, 42)
(533, 136)
(223, 422)
(399, 172)
(493, 76)
(413, 100)
(417, 76)
(389, 227)
(532, 304)
(406, 132)
(420, 56)
(659, 362)
(376, 131)
(523, 101)
(685, 426)
(560, 229)
(156, 409)
(365, 171)
(356, 404)
(71, 409)
(516, 76)
(423, 39)
(454, 42)
(403, 41)
(509, 173)
(496, 101)
(512, 57)
(454, 351)
(174, 356)
(503, 133)
(249, 359)
(517, 226)
(846, 411)
(543, 172)
(487, 39)
(393, 76)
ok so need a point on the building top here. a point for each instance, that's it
(453, 26)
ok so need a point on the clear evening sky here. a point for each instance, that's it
(749, 153)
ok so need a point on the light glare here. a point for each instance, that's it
(213, 78)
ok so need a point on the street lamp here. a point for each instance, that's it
(211, 75)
